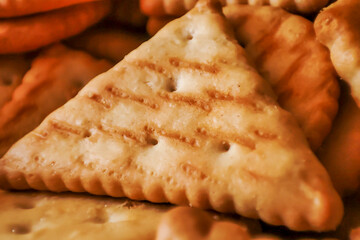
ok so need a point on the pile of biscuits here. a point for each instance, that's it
(247, 109)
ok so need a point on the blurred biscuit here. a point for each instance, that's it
(127, 12)
(112, 44)
(161, 8)
(31, 32)
(338, 28)
(15, 8)
(340, 152)
(154, 24)
(12, 70)
(56, 75)
(194, 224)
(285, 51)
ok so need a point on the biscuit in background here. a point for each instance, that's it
(183, 119)
(55, 76)
(285, 51)
(154, 24)
(338, 28)
(32, 32)
(12, 70)
(188, 223)
(11, 8)
(162, 8)
(112, 44)
(340, 153)
(127, 12)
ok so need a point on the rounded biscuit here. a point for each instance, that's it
(32, 32)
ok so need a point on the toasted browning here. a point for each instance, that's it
(183, 119)
(112, 44)
(56, 75)
(12, 70)
(340, 152)
(179, 7)
(194, 224)
(338, 27)
(11, 8)
(284, 49)
(31, 32)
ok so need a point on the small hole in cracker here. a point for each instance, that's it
(20, 228)
(152, 141)
(24, 205)
(225, 146)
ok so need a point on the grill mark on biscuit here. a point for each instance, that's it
(123, 133)
(201, 67)
(172, 135)
(66, 128)
(265, 135)
(217, 95)
(191, 101)
(114, 91)
(100, 100)
(151, 66)
(241, 140)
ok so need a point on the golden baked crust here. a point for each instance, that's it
(285, 51)
(32, 32)
(12, 70)
(183, 119)
(56, 75)
(338, 27)
(112, 44)
(11, 8)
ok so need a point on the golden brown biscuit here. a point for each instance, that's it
(112, 44)
(183, 119)
(179, 7)
(12, 70)
(56, 75)
(188, 223)
(338, 27)
(340, 152)
(11, 8)
(43, 216)
(285, 51)
(31, 32)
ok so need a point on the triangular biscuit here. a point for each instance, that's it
(184, 119)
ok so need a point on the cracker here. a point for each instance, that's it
(183, 119)
(36, 215)
(338, 27)
(340, 153)
(56, 75)
(11, 8)
(285, 51)
(162, 8)
(192, 223)
(112, 44)
(31, 32)
(12, 70)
